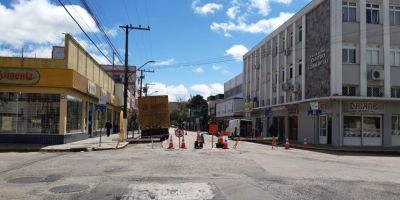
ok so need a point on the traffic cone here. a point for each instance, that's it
(171, 143)
(197, 142)
(183, 145)
(305, 143)
(287, 146)
(226, 143)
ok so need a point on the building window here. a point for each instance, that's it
(300, 68)
(281, 99)
(395, 92)
(300, 33)
(349, 55)
(396, 125)
(373, 56)
(375, 91)
(352, 126)
(291, 73)
(291, 39)
(395, 57)
(394, 15)
(349, 91)
(276, 77)
(349, 11)
(74, 114)
(372, 13)
(283, 76)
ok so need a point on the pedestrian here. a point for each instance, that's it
(108, 127)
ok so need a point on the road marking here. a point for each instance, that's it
(170, 191)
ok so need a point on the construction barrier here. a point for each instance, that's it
(305, 143)
(171, 143)
(225, 142)
(183, 145)
(287, 145)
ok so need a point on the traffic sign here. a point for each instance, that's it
(179, 133)
(314, 105)
(102, 108)
(212, 128)
(103, 100)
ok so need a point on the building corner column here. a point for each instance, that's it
(363, 50)
(62, 127)
(386, 46)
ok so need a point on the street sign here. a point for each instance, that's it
(314, 105)
(102, 108)
(179, 133)
(212, 128)
(268, 112)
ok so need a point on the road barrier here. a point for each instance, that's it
(226, 142)
(171, 143)
(305, 143)
(183, 145)
(287, 145)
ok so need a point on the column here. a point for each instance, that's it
(285, 64)
(386, 47)
(363, 49)
(83, 119)
(271, 74)
(62, 127)
(294, 58)
(278, 85)
(303, 58)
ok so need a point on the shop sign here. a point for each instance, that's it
(364, 107)
(19, 76)
(314, 105)
(318, 59)
(91, 88)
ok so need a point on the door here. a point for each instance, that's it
(323, 129)
(293, 128)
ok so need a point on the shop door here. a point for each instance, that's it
(323, 129)
(281, 128)
(372, 130)
(293, 128)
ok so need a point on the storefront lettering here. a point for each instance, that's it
(317, 59)
(91, 88)
(365, 107)
(20, 76)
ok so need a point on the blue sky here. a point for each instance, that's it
(197, 44)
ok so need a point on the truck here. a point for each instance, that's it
(240, 128)
(154, 117)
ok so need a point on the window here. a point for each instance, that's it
(283, 76)
(291, 39)
(372, 14)
(291, 73)
(275, 77)
(373, 56)
(375, 91)
(352, 126)
(395, 57)
(349, 55)
(300, 68)
(300, 33)
(74, 114)
(395, 92)
(394, 15)
(349, 11)
(349, 91)
(396, 125)
(281, 99)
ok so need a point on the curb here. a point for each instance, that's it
(76, 149)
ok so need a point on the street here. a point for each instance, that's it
(252, 171)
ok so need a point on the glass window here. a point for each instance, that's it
(291, 73)
(349, 55)
(395, 57)
(372, 14)
(394, 15)
(323, 126)
(300, 68)
(352, 126)
(371, 127)
(374, 91)
(300, 33)
(349, 91)
(74, 114)
(395, 92)
(373, 56)
(349, 11)
(396, 125)
(27, 113)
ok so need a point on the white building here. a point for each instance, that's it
(344, 55)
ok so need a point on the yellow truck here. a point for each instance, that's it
(154, 117)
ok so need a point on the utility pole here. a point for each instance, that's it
(127, 29)
(146, 88)
(141, 77)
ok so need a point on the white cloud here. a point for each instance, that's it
(207, 90)
(199, 70)
(174, 92)
(205, 9)
(262, 26)
(262, 6)
(237, 51)
(216, 67)
(167, 62)
(232, 12)
(40, 22)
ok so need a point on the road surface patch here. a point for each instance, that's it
(71, 188)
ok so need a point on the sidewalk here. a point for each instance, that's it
(348, 149)
(90, 144)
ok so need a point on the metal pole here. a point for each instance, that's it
(125, 113)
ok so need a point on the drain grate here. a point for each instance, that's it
(71, 188)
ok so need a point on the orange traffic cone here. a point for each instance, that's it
(171, 143)
(183, 145)
(305, 143)
(287, 146)
(226, 143)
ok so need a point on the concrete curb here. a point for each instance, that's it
(73, 149)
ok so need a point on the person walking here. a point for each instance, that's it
(108, 127)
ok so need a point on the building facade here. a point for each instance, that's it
(55, 100)
(329, 74)
(232, 106)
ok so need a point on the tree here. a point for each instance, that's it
(179, 115)
(197, 102)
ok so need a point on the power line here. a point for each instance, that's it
(80, 27)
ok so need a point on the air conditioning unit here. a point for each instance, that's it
(376, 75)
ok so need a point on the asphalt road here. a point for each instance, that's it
(252, 171)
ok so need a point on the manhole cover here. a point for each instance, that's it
(69, 188)
(35, 179)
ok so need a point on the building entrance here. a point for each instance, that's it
(293, 128)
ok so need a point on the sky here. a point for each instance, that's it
(197, 44)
